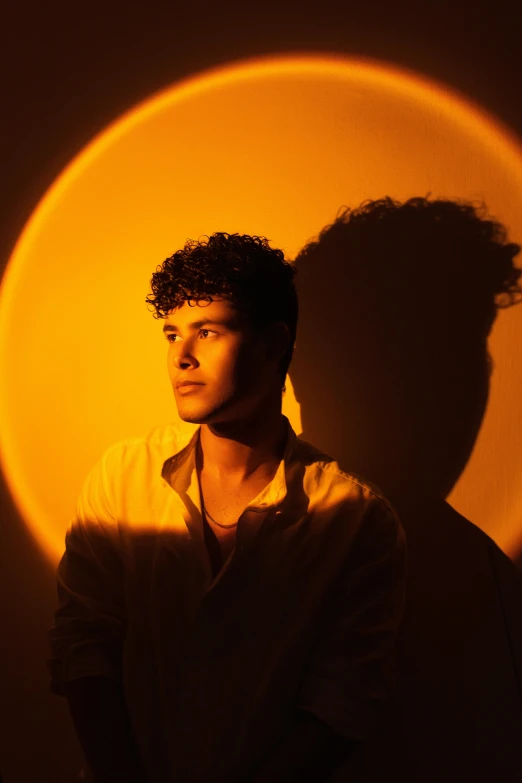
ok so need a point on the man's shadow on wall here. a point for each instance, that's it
(391, 371)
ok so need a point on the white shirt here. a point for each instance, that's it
(303, 613)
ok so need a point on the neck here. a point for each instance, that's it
(236, 450)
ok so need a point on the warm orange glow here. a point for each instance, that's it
(273, 147)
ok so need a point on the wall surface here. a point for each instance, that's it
(66, 74)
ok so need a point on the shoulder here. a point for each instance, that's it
(325, 472)
(325, 477)
(128, 466)
(148, 451)
(126, 486)
(358, 519)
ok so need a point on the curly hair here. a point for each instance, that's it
(243, 269)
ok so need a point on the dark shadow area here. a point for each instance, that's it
(392, 374)
(37, 740)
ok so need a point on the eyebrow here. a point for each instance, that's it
(198, 325)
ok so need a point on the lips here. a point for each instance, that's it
(181, 384)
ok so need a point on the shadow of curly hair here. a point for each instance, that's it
(421, 230)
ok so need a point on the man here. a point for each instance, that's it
(229, 601)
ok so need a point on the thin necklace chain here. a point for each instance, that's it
(205, 511)
(215, 520)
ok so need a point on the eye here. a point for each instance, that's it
(205, 333)
(171, 337)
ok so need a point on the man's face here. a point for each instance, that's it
(218, 365)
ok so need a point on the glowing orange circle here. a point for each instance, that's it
(271, 146)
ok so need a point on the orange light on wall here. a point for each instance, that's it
(271, 146)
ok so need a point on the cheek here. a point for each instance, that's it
(222, 362)
(170, 365)
(250, 365)
(233, 365)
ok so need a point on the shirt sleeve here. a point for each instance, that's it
(351, 670)
(90, 622)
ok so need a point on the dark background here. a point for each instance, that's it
(70, 68)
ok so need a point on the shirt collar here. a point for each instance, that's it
(179, 471)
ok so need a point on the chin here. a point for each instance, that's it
(192, 417)
(215, 415)
(196, 415)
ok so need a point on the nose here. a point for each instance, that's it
(184, 359)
